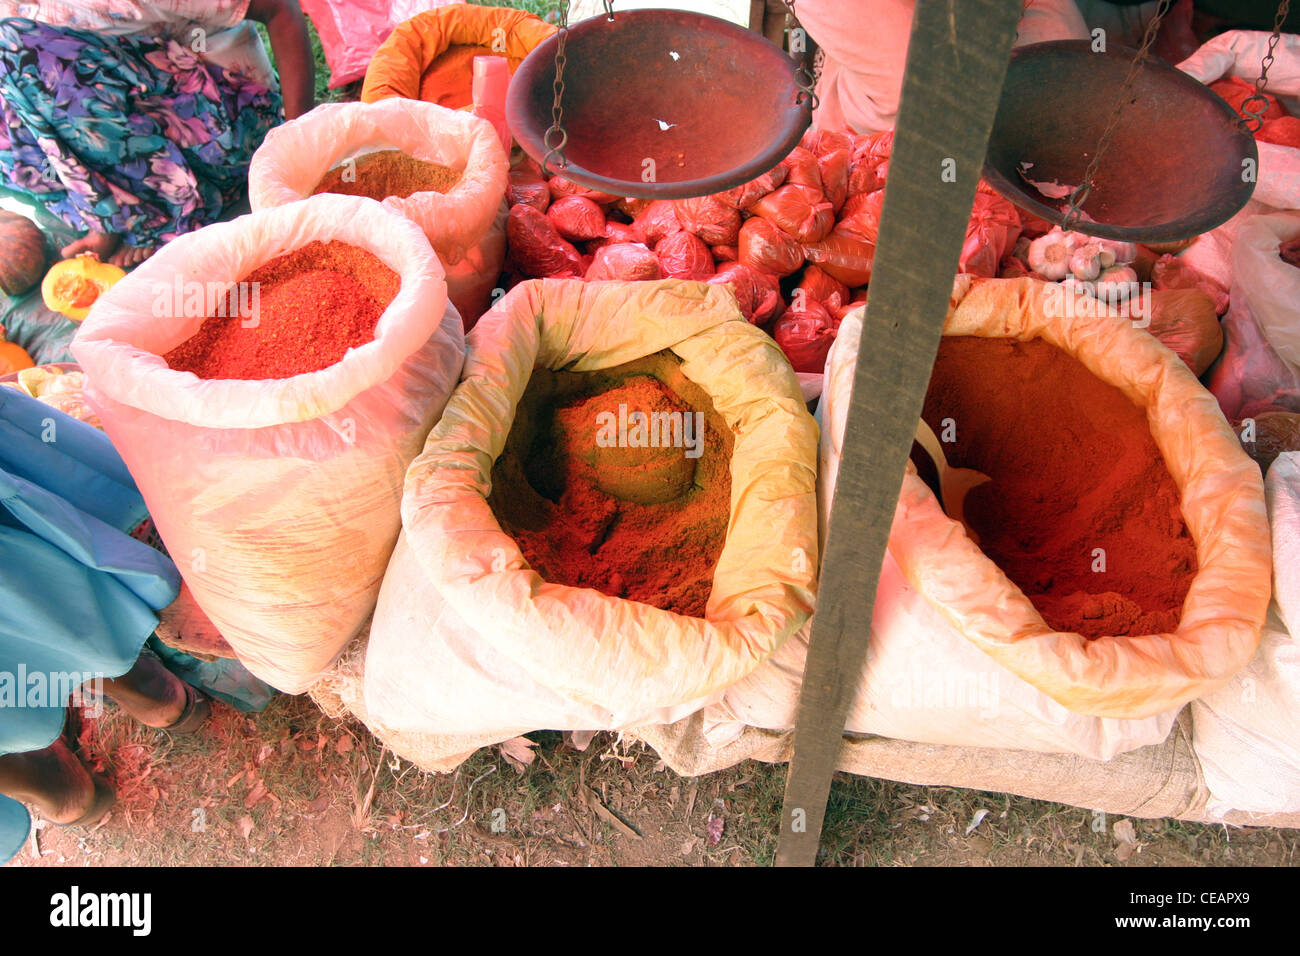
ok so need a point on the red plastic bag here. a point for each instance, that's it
(577, 218)
(800, 211)
(537, 249)
(709, 218)
(757, 293)
(823, 141)
(991, 234)
(834, 169)
(765, 247)
(1170, 272)
(1236, 90)
(614, 232)
(860, 217)
(684, 256)
(817, 286)
(628, 261)
(746, 194)
(870, 163)
(563, 187)
(801, 169)
(726, 253)
(657, 220)
(806, 337)
(842, 257)
(1283, 131)
(527, 186)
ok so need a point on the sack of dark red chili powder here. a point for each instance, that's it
(624, 261)
(537, 248)
(461, 213)
(577, 218)
(992, 231)
(278, 498)
(757, 293)
(961, 656)
(806, 336)
(763, 246)
(471, 645)
(709, 218)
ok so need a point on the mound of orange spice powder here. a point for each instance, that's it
(1081, 512)
(300, 312)
(637, 521)
(387, 172)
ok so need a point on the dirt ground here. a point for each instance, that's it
(294, 787)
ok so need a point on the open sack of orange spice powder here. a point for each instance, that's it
(960, 653)
(277, 494)
(379, 150)
(471, 645)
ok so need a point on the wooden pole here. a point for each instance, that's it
(956, 63)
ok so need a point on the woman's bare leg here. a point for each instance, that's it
(53, 780)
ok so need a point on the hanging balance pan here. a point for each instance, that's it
(1179, 162)
(662, 104)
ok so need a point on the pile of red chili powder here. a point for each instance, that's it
(633, 521)
(1074, 469)
(312, 305)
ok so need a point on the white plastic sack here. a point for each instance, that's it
(924, 681)
(1247, 735)
(279, 499)
(467, 641)
(460, 224)
(1260, 364)
(1238, 53)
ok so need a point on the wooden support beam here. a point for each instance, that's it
(956, 63)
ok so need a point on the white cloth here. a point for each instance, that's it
(865, 43)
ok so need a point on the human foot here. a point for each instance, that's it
(128, 257)
(101, 244)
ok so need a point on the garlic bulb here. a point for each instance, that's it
(1049, 257)
(1122, 252)
(1085, 262)
(1116, 283)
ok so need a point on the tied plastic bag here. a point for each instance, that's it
(802, 169)
(657, 220)
(577, 218)
(817, 286)
(537, 248)
(757, 293)
(992, 232)
(763, 246)
(470, 646)
(684, 256)
(626, 261)
(746, 194)
(843, 257)
(278, 498)
(806, 336)
(709, 218)
(528, 187)
(801, 212)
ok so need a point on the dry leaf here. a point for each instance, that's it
(1124, 851)
(256, 795)
(580, 740)
(245, 826)
(345, 744)
(976, 820)
(518, 752)
(1124, 831)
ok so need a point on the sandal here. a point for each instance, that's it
(197, 709)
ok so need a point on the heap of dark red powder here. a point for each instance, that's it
(1081, 512)
(313, 304)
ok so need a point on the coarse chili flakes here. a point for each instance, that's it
(387, 172)
(308, 307)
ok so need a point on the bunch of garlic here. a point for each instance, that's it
(1104, 262)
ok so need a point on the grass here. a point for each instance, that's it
(292, 786)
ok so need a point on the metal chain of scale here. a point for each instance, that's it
(556, 138)
(1254, 106)
(804, 78)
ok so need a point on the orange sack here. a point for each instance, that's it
(430, 57)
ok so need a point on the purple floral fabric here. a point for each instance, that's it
(130, 134)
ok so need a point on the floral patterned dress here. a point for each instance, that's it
(128, 128)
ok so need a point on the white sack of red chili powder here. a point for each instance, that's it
(278, 499)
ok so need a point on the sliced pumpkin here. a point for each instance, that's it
(13, 357)
(72, 286)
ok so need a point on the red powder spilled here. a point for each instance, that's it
(1081, 512)
(311, 306)
(627, 518)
